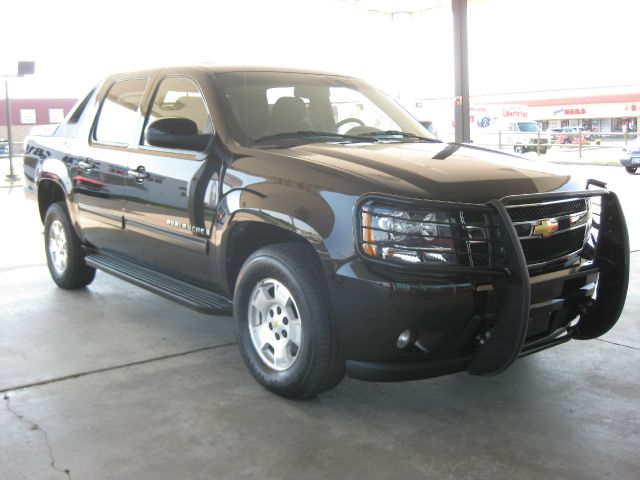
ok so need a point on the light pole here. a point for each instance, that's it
(24, 68)
(7, 105)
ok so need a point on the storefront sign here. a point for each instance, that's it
(515, 113)
(596, 110)
(575, 111)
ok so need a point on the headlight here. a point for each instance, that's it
(425, 236)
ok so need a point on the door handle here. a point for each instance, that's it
(139, 174)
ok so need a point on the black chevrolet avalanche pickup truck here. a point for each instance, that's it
(338, 232)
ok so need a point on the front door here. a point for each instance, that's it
(171, 186)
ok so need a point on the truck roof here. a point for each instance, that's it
(215, 68)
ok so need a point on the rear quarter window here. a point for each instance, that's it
(69, 128)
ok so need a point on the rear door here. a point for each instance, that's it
(100, 166)
(171, 186)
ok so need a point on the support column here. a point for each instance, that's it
(461, 67)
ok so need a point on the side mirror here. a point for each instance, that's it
(176, 133)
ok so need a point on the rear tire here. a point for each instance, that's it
(631, 170)
(283, 322)
(63, 248)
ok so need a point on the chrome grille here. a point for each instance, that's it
(538, 211)
(477, 230)
(549, 249)
(551, 231)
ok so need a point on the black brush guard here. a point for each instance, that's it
(610, 261)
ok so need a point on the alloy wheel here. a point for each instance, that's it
(275, 325)
(58, 248)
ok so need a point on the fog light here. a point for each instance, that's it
(404, 339)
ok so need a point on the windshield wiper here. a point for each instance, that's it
(400, 133)
(309, 133)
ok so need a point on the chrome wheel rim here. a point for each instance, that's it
(58, 249)
(275, 325)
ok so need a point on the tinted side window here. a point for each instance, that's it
(120, 112)
(180, 97)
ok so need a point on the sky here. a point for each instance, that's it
(515, 45)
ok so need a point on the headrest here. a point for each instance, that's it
(291, 107)
(174, 126)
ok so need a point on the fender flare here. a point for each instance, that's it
(55, 171)
(288, 225)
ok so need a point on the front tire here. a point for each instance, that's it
(631, 170)
(283, 322)
(65, 257)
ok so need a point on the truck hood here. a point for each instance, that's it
(449, 172)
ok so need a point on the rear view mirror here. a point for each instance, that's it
(176, 133)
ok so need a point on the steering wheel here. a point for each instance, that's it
(350, 120)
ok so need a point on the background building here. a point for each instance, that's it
(613, 110)
(28, 113)
(598, 113)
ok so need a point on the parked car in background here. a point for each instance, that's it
(631, 157)
(4, 148)
(553, 134)
(573, 134)
(524, 135)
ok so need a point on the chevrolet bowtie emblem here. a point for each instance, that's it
(546, 228)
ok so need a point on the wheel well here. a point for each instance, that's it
(49, 192)
(248, 237)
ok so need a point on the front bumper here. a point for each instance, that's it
(479, 321)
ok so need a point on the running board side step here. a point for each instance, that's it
(199, 299)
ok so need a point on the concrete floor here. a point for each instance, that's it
(115, 382)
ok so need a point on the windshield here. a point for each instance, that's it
(268, 107)
(528, 127)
